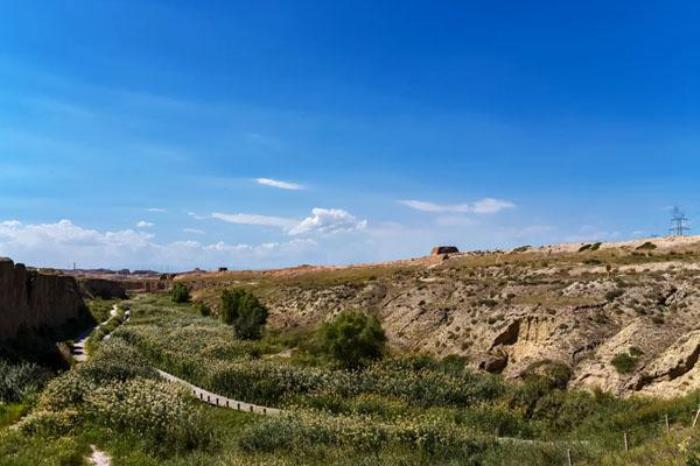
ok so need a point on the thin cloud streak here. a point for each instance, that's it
(486, 205)
(255, 219)
(279, 184)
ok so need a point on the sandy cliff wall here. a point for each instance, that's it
(102, 288)
(32, 299)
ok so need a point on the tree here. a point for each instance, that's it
(180, 293)
(229, 305)
(352, 339)
(244, 311)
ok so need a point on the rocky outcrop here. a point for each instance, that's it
(102, 288)
(147, 285)
(33, 300)
(673, 371)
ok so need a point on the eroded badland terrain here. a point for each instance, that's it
(623, 317)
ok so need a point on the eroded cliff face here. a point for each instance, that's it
(33, 300)
(102, 288)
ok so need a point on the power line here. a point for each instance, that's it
(679, 222)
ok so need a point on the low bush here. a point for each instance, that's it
(20, 380)
(624, 363)
(244, 311)
(180, 293)
(352, 339)
(648, 246)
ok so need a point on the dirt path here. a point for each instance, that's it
(78, 350)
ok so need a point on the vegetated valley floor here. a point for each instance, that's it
(549, 321)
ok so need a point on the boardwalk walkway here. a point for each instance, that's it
(221, 401)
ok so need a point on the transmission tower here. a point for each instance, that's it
(679, 222)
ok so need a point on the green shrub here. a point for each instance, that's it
(244, 311)
(453, 364)
(20, 380)
(556, 374)
(352, 339)
(624, 363)
(180, 293)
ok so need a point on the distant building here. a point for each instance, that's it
(223, 269)
(441, 250)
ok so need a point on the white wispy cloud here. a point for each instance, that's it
(321, 221)
(145, 224)
(328, 221)
(486, 205)
(156, 209)
(255, 219)
(196, 216)
(279, 184)
(194, 231)
(490, 205)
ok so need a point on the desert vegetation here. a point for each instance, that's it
(243, 310)
(408, 409)
(462, 362)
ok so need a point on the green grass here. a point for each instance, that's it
(402, 410)
(100, 308)
(11, 413)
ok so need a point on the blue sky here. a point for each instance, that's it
(175, 134)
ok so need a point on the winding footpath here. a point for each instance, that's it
(78, 350)
(80, 355)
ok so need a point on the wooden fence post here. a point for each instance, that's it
(627, 446)
(568, 456)
(697, 413)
